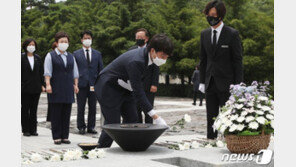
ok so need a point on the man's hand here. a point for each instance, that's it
(76, 89)
(48, 89)
(160, 121)
(201, 87)
(43, 88)
(153, 89)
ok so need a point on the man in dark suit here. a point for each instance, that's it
(119, 86)
(220, 61)
(150, 77)
(90, 63)
(196, 80)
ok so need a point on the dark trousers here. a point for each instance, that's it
(148, 119)
(85, 93)
(127, 109)
(60, 120)
(214, 100)
(48, 112)
(29, 112)
(195, 94)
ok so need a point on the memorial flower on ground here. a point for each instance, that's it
(180, 123)
(36, 157)
(249, 111)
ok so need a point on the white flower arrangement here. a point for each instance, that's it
(69, 155)
(192, 144)
(249, 111)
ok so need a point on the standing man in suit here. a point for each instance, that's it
(220, 61)
(90, 63)
(196, 80)
(119, 86)
(150, 77)
(31, 87)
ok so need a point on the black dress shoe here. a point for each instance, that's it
(57, 142)
(34, 134)
(200, 104)
(26, 134)
(66, 141)
(82, 131)
(92, 131)
(194, 104)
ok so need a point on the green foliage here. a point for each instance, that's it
(114, 23)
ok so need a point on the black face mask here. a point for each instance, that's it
(140, 42)
(213, 20)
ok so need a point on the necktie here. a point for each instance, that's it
(214, 38)
(87, 56)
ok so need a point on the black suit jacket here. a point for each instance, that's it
(224, 62)
(151, 75)
(32, 80)
(128, 66)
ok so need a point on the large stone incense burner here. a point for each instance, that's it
(134, 137)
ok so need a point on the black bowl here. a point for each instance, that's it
(88, 146)
(134, 137)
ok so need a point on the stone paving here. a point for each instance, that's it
(171, 109)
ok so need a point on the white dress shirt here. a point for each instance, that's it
(218, 29)
(89, 52)
(31, 61)
(149, 60)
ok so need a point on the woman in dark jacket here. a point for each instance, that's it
(32, 84)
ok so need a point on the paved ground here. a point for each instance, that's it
(171, 109)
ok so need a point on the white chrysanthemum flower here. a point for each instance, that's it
(217, 123)
(253, 125)
(251, 110)
(240, 127)
(249, 118)
(244, 113)
(265, 108)
(181, 147)
(228, 123)
(259, 106)
(187, 118)
(261, 120)
(36, 157)
(69, 155)
(222, 128)
(251, 104)
(233, 117)
(269, 116)
(208, 146)
(240, 106)
(227, 112)
(262, 98)
(195, 144)
(92, 154)
(55, 158)
(272, 125)
(240, 119)
(220, 144)
(101, 153)
(232, 128)
(77, 154)
(271, 112)
(27, 162)
(241, 100)
(186, 145)
(259, 112)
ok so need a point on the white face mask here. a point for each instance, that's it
(63, 46)
(87, 42)
(157, 61)
(31, 48)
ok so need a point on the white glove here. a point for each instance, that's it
(160, 121)
(125, 85)
(201, 87)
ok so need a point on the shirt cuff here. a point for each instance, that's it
(151, 113)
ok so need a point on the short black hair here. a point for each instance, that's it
(60, 35)
(161, 43)
(219, 5)
(88, 32)
(143, 29)
(27, 42)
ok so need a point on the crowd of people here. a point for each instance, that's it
(126, 87)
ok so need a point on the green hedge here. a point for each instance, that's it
(175, 90)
